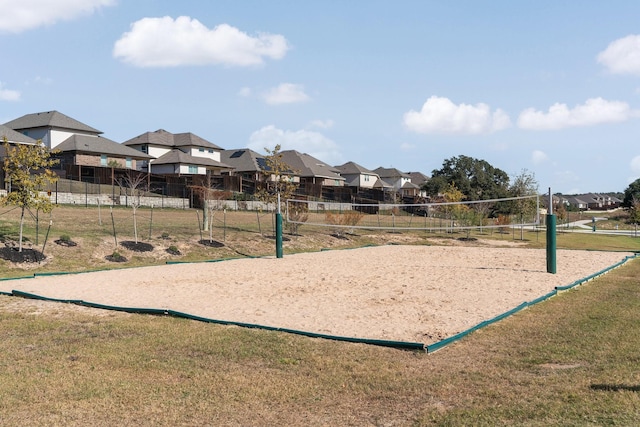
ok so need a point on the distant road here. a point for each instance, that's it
(586, 226)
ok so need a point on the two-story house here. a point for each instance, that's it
(178, 154)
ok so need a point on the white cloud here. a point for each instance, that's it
(440, 115)
(8, 94)
(168, 42)
(323, 124)
(594, 111)
(21, 15)
(285, 93)
(538, 157)
(245, 92)
(622, 56)
(312, 143)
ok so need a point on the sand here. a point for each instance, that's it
(401, 293)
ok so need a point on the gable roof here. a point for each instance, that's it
(50, 119)
(167, 139)
(308, 166)
(13, 136)
(176, 156)
(418, 178)
(390, 173)
(350, 168)
(409, 185)
(381, 183)
(99, 145)
(244, 160)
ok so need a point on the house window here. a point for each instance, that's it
(193, 169)
(201, 150)
(210, 151)
(144, 148)
(128, 162)
(103, 160)
(366, 178)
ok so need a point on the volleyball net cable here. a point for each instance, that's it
(503, 213)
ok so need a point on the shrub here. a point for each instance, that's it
(346, 218)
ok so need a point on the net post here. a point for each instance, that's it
(551, 237)
(278, 230)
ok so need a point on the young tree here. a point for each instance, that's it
(279, 181)
(27, 170)
(524, 184)
(212, 200)
(133, 184)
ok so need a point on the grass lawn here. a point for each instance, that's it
(571, 360)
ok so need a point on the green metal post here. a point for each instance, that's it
(551, 244)
(551, 237)
(278, 230)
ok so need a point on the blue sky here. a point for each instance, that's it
(551, 87)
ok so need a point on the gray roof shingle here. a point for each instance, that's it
(13, 136)
(353, 168)
(167, 139)
(178, 157)
(305, 165)
(50, 119)
(390, 173)
(243, 160)
(99, 145)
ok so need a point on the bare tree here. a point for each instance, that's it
(133, 184)
(212, 201)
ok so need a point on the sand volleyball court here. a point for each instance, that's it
(400, 293)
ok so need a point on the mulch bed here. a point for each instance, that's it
(211, 243)
(27, 255)
(67, 243)
(118, 258)
(137, 247)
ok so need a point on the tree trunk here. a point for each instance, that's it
(135, 226)
(21, 227)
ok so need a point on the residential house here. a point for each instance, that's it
(79, 147)
(358, 176)
(50, 127)
(178, 154)
(12, 137)
(311, 170)
(248, 169)
(245, 162)
(400, 181)
(593, 201)
(419, 179)
(82, 156)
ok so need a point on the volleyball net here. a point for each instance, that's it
(502, 214)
